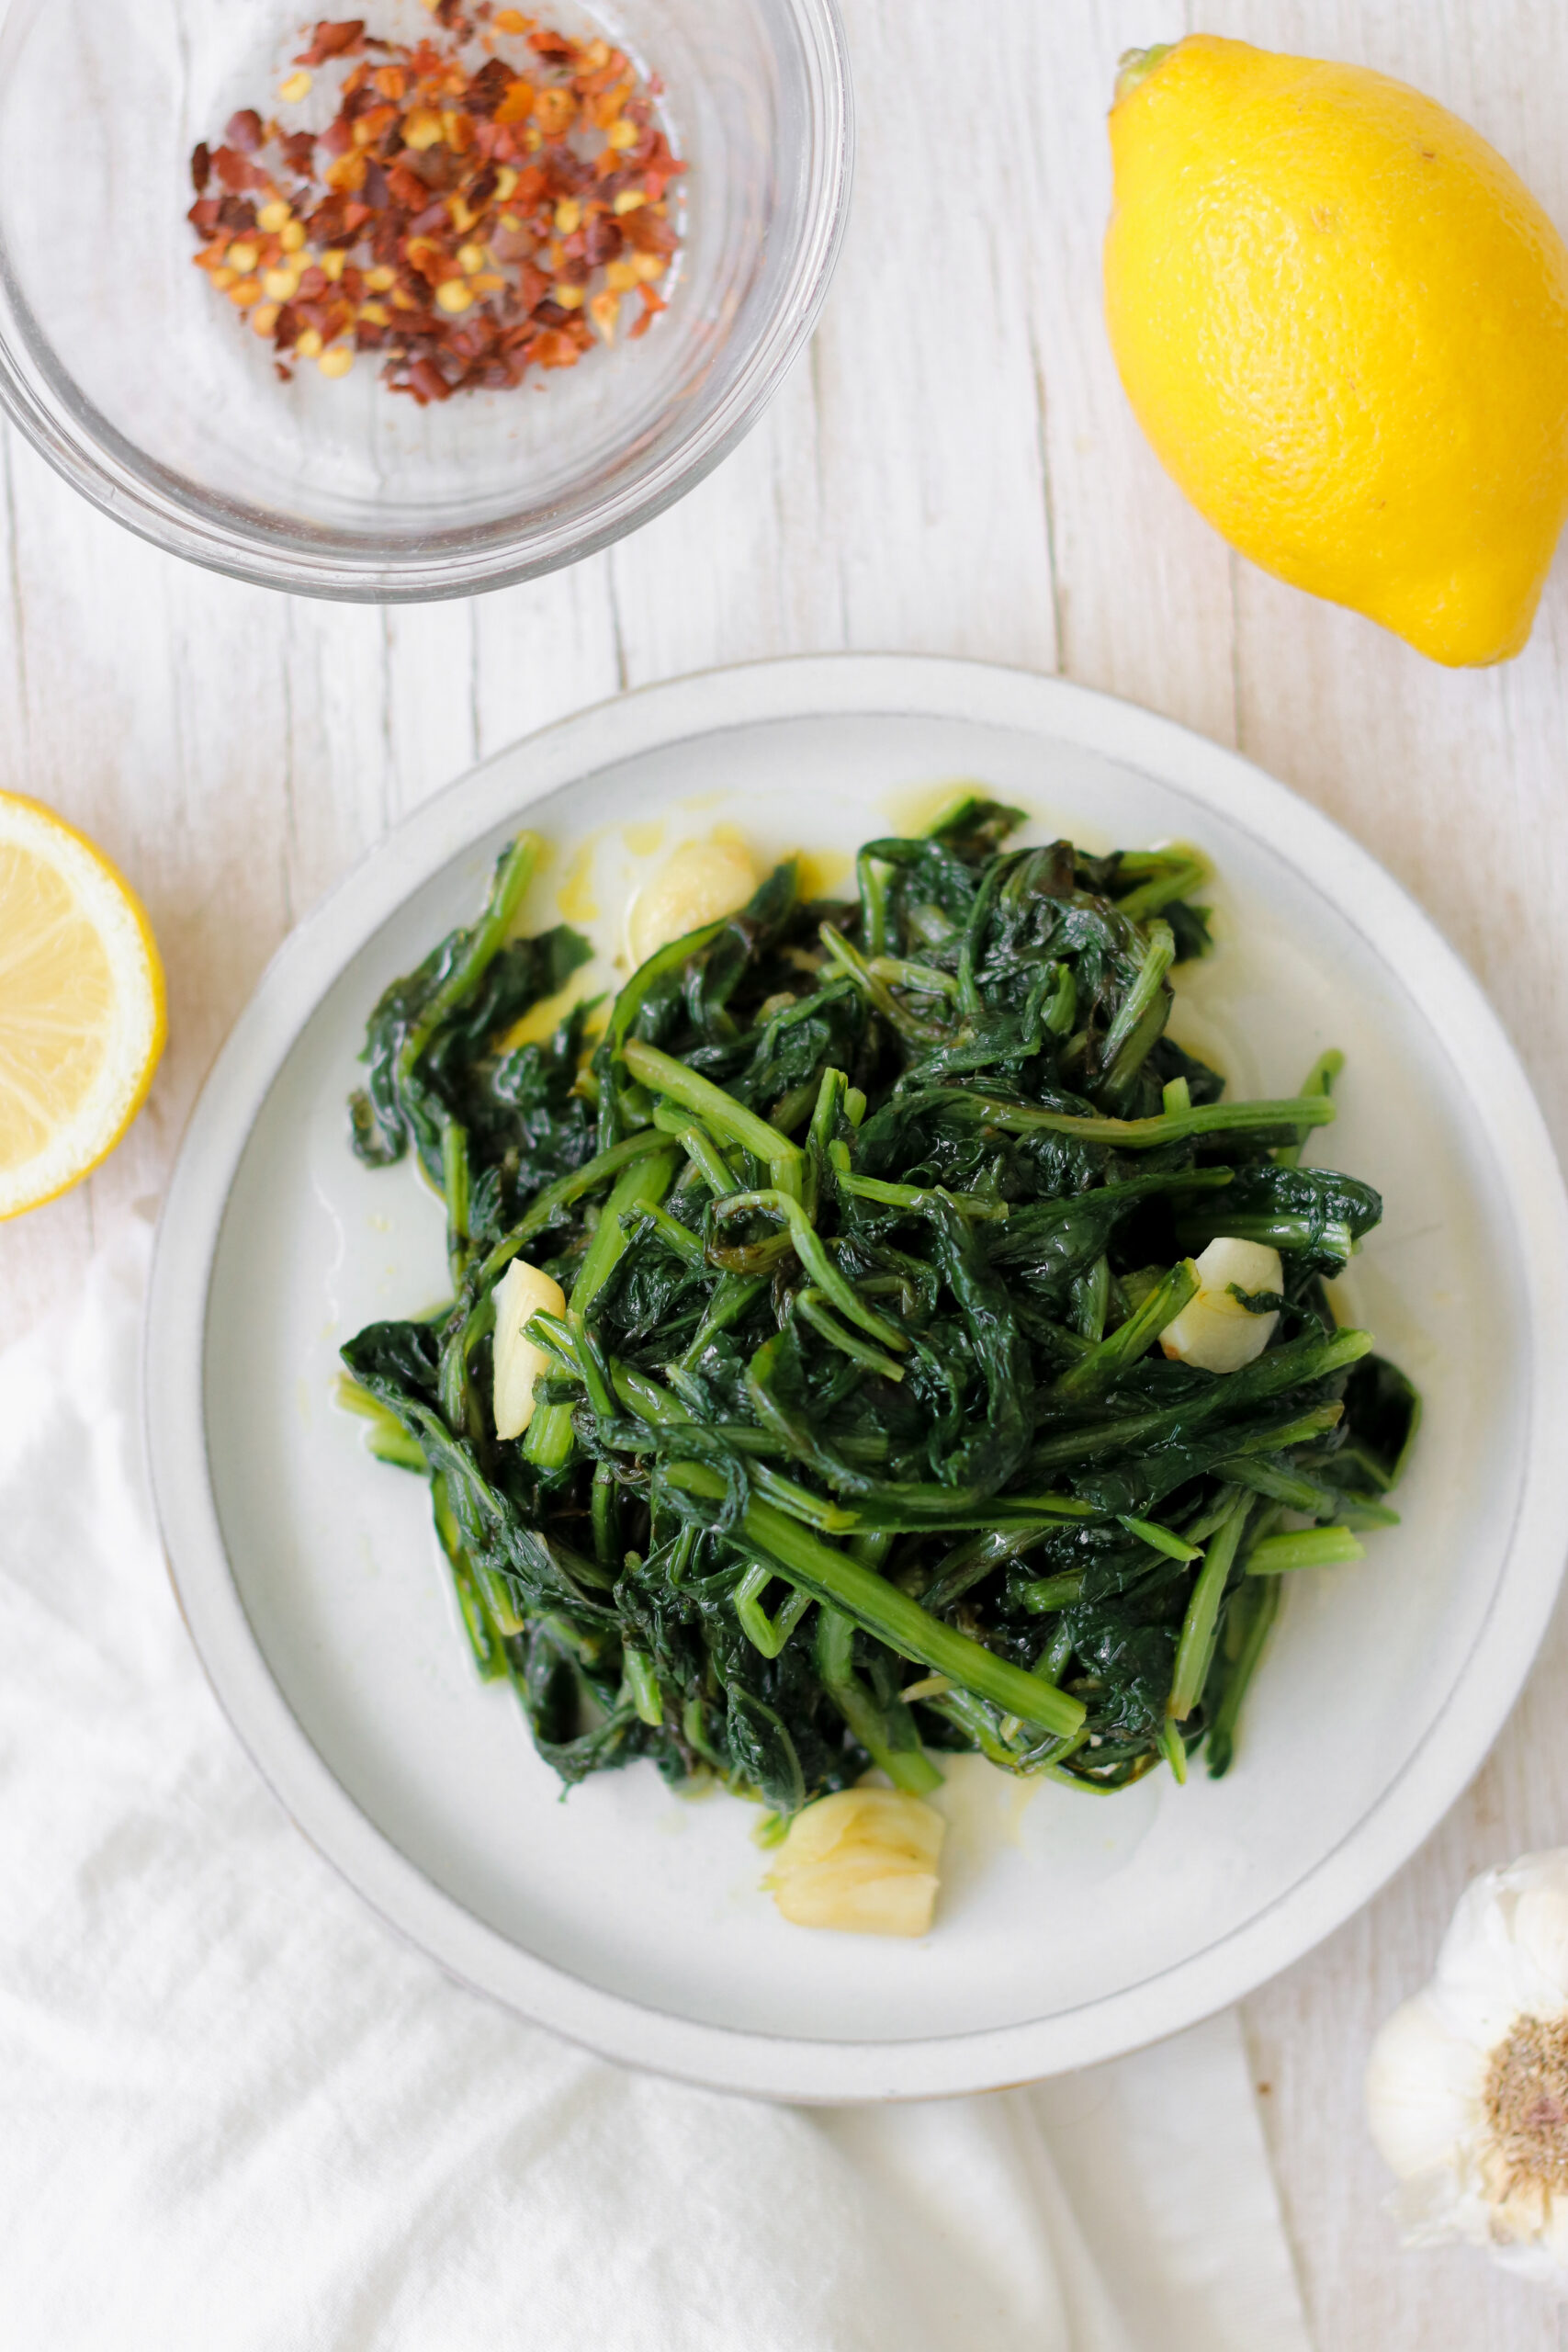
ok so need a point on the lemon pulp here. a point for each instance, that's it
(81, 1005)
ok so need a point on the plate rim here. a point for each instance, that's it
(307, 964)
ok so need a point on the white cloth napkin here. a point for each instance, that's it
(236, 2115)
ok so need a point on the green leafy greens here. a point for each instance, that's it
(857, 1441)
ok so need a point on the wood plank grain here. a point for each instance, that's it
(542, 650)
(1143, 585)
(953, 469)
(39, 1254)
(933, 483)
(1454, 780)
(332, 741)
(745, 568)
(150, 716)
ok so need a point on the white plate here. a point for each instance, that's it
(1070, 1927)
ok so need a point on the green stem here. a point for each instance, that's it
(455, 1185)
(1279, 1440)
(808, 1304)
(1278, 1486)
(882, 1609)
(1291, 1366)
(1061, 1004)
(1052, 1664)
(1333, 1239)
(686, 1245)
(641, 1185)
(662, 1074)
(1047, 1593)
(1173, 873)
(1252, 1612)
(1118, 1078)
(890, 1740)
(642, 1683)
(732, 1295)
(1319, 1081)
(385, 1437)
(920, 979)
(1138, 1135)
(968, 1562)
(483, 1641)
(807, 1248)
(606, 1518)
(1312, 1547)
(1160, 1539)
(913, 1196)
(1174, 1749)
(945, 1510)
(485, 941)
(699, 1147)
(1196, 1648)
(1093, 1373)
(877, 992)
(1159, 954)
(764, 1633)
(627, 1009)
(547, 1206)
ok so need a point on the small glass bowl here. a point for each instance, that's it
(144, 389)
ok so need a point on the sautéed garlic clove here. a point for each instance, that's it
(1214, 1330)
(697, 883)
(521, 1291)
(863, 1861)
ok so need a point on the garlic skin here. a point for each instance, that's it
(1467, 2085)
(863, 1861)
(1214, 1330)
(697, 884)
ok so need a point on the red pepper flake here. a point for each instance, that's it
(234, 172)
(654, 303)
(466, 214)
(331, 41)
(426, 382)
(490, 85)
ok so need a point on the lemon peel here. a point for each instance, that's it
(81, 1005)
(1342, 322)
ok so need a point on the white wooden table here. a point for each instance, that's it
(953, 469)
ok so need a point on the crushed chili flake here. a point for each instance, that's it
(464, 215)
(334, 40)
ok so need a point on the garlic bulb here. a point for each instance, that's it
(1467, 2086)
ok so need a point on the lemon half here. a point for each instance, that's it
(81, 1019)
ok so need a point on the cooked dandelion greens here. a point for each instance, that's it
(856, 1440)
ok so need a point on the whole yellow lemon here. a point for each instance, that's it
(1342, 320)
